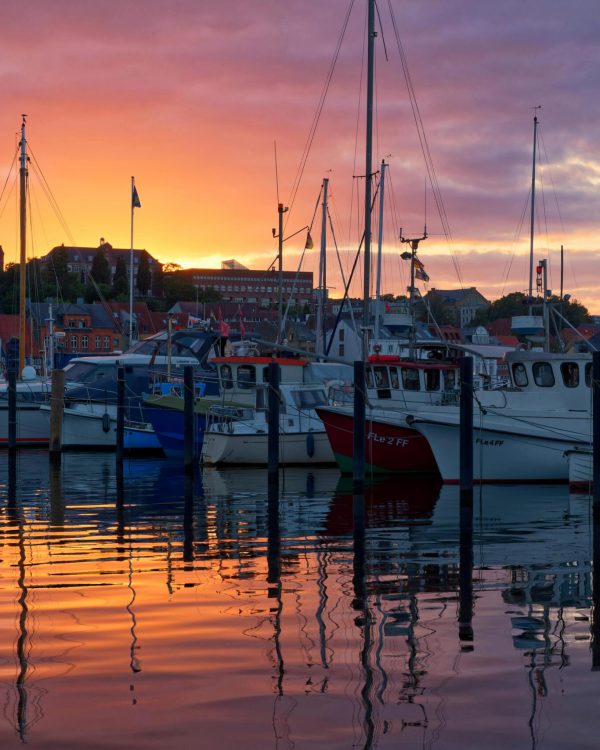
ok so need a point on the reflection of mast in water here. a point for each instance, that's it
(361, 605)
(275, 592)
(22, 651)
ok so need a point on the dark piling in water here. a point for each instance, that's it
(120, 418)
(359, 427)
(188, 419)
(273, 442)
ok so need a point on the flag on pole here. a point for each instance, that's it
(309, 243)
(135, 198)
(420, 272)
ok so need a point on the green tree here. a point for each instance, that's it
(101, 267)
(158, 286)
(120, 284)
(144, 276)
(177, 288)
(59, 282)
(508, 306)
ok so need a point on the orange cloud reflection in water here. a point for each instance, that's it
(184, 616)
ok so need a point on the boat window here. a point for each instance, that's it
(310, 399)
(542, 374)
(570, 374)
(226, 379)
(381, 377)
(432, 380)
(588, 374)
(369, 378)
(246, 376)
(520, 375)
(410, 379)
(394, 378)
(449, 380)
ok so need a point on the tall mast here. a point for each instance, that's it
(535, 124)
(368, 170)
(131, 265)
(320, 324)
(23, 244)
(379, 249)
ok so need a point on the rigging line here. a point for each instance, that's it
(33, 171)
(430, 167)
(317, 115)
(14, 160)
(545, 224)
(516, 236)
(387, 59)
(337, 251)
(337, 320)
(54, 202)
(290, 296)
(554, 191)
(395, 222)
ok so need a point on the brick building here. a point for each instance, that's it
(238, 284)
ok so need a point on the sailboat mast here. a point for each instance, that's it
(379, 249)
(320, 329)
(368, 170)
(532, 223)
(23, 244)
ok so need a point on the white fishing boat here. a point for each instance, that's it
(239, 435)
(522, 432)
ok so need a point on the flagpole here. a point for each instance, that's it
(131, 268)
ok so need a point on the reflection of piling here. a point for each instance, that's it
(188, 518)
(596, 427)
(120, 414)
(188, 418)
(359, 426)
(273, 444)
(57, 406)
(465, 575)
(12, 480)
(57, 505)
(360, 605)
(274, 575)
(12, 410)
(466, 431)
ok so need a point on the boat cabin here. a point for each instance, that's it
(566, 377)
(391, 377)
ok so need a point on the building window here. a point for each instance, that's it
(98, 342)
(84, 343)
(106, 343)
(71, 323)
(81, 323)
(73, 343)
(115, 343)
(341, 335)
(341, 350)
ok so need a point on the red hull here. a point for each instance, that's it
(388, 448)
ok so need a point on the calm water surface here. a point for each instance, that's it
(160, 612)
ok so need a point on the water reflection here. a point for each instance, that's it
(315, 617)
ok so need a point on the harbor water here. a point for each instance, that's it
(159, 611)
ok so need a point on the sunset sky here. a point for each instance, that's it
(190, 97)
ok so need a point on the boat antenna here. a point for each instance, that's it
(532, 224)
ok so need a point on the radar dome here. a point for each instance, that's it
(29, 373)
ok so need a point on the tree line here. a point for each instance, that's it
(160, 287)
